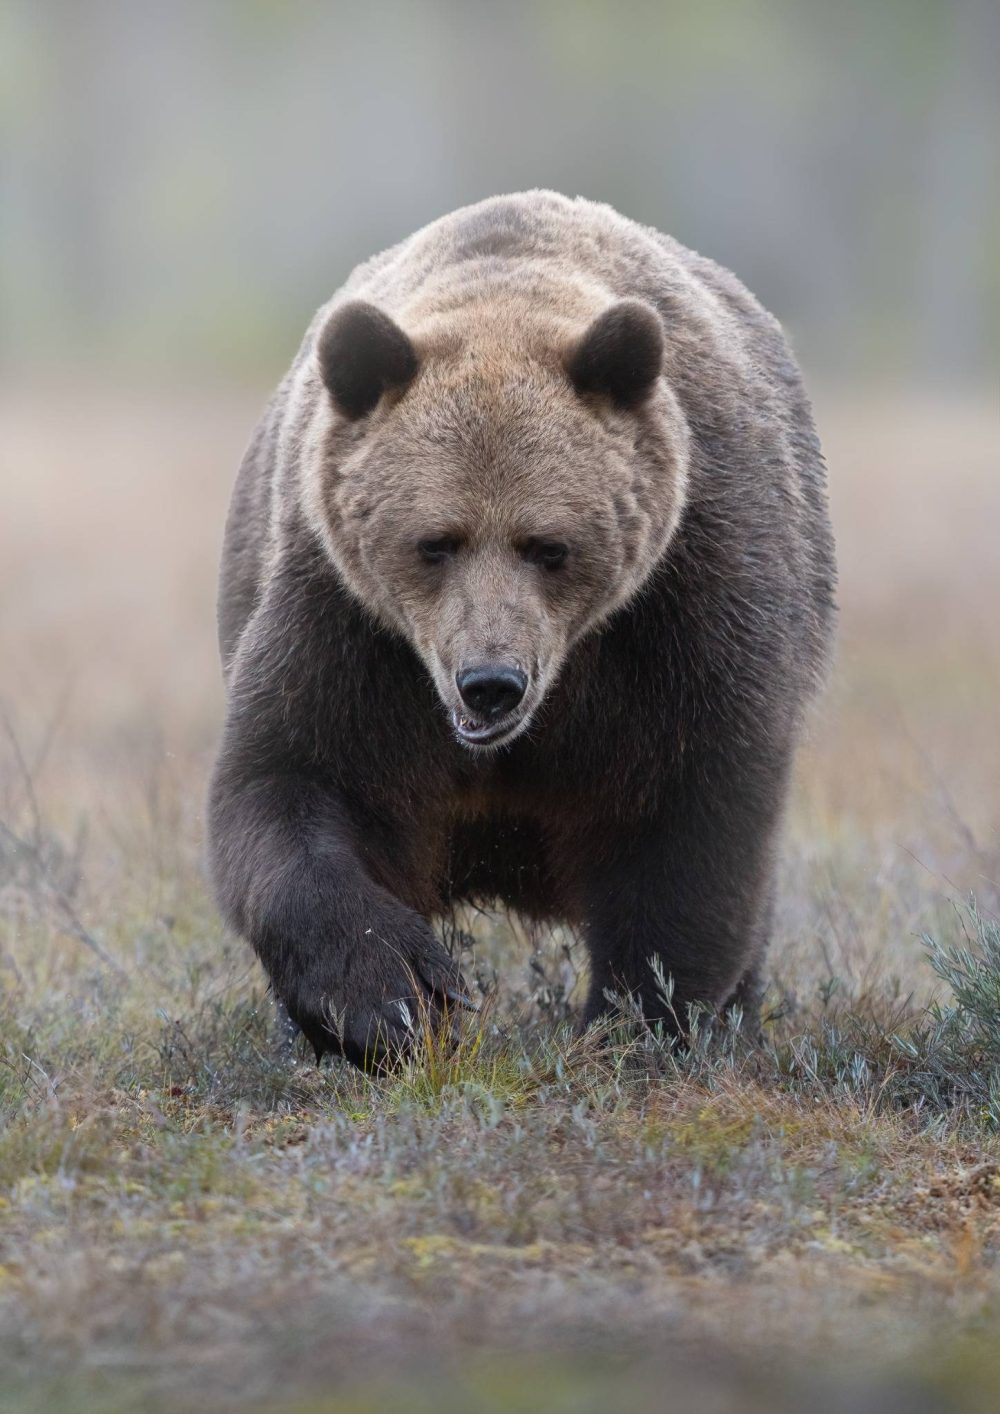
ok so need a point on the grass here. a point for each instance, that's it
(188, 1212)
(192, 1217)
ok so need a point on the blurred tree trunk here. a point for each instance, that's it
(81, 37)
(961, 193)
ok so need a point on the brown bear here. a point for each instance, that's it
(528, 576)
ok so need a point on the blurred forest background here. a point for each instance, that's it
(183, 183)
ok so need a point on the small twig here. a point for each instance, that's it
(72, 924)
(50, 1084)
(24, 772)
(31, 850)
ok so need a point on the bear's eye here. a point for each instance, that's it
(550, 554)
(438, 548)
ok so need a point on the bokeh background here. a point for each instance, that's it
(184, 182)
(181, 185)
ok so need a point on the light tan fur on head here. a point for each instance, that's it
(441, 507)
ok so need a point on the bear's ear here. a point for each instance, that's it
(620, 355)
(361, 353)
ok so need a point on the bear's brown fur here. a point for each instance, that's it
(527, 580)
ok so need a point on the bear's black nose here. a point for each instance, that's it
(491, 691)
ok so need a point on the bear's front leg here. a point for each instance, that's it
(356, 968)
(690, 894)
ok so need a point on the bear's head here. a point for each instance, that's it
(494, 485)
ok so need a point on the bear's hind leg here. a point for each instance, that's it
(687, 903)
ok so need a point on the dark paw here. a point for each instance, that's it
(382, 999)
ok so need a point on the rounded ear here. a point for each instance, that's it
(361, 353)
(620, 355)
